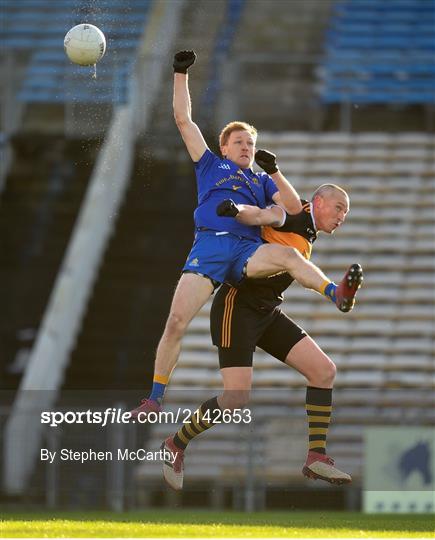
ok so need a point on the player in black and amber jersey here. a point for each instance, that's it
(248, 316)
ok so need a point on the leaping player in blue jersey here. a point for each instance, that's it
(226, 250)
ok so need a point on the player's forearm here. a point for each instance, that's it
(288, 196)
(181, 102)
(252, 215)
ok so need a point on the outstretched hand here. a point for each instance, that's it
(227, 208)
(266, 160)
(183, 60)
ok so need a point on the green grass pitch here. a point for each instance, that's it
(190, 523)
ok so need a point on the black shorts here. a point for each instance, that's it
(237, 329)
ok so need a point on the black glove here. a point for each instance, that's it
(183, 60)
(227, 208)
(266, 160)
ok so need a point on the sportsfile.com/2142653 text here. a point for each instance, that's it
(113, 415)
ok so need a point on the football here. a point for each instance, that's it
(85, 44)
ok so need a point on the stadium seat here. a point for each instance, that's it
(375, 54)
(39, 27)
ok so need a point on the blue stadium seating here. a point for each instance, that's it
(39, 26)
(380, 52)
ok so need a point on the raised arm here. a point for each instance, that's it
(287, 196)
(190, 132)
(251, 215)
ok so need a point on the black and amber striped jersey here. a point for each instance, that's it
(298, 231)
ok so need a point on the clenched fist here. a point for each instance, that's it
(183, 60)
(227, 208)
(266, 160)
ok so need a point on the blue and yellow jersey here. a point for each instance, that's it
(219, 179)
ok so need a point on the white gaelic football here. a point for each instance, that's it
(85, 44)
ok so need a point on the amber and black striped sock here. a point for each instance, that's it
(319, 409)
(201, 420)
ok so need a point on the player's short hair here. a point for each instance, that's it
(328, 189)
(235, 126)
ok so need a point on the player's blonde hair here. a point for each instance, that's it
(235, 126)
(328, 189)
